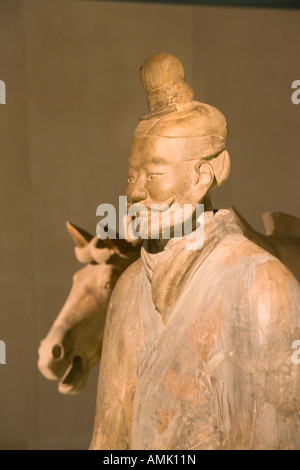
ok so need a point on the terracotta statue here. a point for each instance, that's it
(73, 344)
(198, 343)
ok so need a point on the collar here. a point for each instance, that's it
(170, 270)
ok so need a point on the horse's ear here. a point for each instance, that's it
(81, 237)
(278, 223)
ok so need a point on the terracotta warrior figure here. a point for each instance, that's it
(197, 350)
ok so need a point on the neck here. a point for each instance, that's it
(207, 203)
(155, 246)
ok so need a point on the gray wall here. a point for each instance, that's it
(73, 100)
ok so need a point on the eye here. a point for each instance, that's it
(153, 176)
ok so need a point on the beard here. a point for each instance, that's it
(162, 221)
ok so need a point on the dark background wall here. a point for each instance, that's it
(73, 101)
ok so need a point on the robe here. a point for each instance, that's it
(197, 350)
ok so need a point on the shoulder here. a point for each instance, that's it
(128, 281)
(235, 250)
(241, 254)
(130, 274)
(269, 274)
(276, 290)
(256, 277)
(261, 299)
(270, 295)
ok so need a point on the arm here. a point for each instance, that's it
(265, 404)
(116, 386)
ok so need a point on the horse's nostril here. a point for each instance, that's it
(57, 352)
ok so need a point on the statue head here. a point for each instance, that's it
(179, 151)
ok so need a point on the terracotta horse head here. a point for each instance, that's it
(74, 342)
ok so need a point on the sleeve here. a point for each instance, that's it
(261, 392)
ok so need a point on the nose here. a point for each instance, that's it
(136, 192)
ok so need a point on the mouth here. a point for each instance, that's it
(142, 209)
(56, 362)
(74, 378)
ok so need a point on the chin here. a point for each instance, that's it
(159, 225)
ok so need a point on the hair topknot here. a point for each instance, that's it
(174, 114)
(162, 76)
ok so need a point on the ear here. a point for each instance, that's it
(205, 174)
(80, 237)
(221, 166)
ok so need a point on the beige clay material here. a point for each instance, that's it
(74, 342)
(60, 356)
(198, 345)
(197, 350)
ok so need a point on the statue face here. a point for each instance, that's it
(157, 174)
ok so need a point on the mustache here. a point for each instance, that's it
(135, 208)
